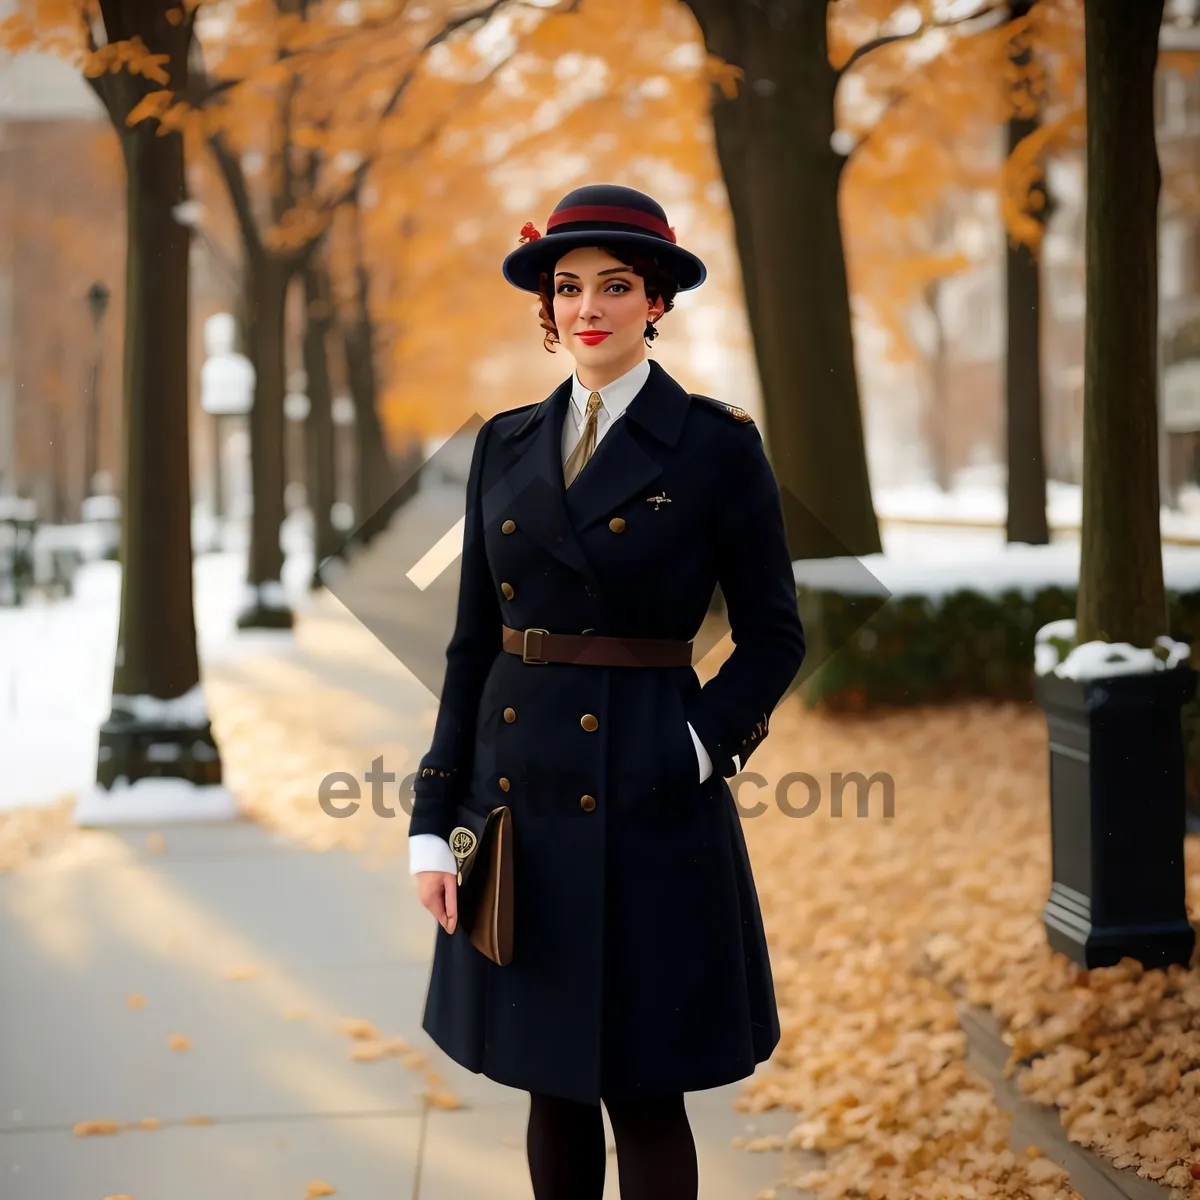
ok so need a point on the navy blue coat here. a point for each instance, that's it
(639, 958)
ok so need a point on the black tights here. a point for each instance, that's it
(656, 1155)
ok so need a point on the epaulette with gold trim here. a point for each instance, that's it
(730, 410)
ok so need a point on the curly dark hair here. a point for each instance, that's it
(657, 281)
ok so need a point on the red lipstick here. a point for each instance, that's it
(592, 337)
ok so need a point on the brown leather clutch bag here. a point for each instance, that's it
(483, 846)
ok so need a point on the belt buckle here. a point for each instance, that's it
(525, 647)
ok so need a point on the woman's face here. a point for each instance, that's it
(598, 295)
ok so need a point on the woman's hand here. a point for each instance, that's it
(438, 891)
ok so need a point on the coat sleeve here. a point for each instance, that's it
(444, 773)
(731, 712)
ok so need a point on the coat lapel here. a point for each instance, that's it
(623, 465)
(534, 480)
(626, 464)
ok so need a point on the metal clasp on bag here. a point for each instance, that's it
(525, 647)
(462, 845)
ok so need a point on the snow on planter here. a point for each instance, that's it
(1055, 652)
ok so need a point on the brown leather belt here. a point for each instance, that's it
(591, 649)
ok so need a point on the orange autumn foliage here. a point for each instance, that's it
(599, 94)
(447, 150)
(929, 144)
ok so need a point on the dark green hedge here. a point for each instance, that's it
(920, 650)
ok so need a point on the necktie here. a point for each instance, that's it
(586, 444)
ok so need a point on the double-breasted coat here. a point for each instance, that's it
(639, 958)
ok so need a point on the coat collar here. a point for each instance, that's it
(623, 465)
(617, 396)
(659, 408)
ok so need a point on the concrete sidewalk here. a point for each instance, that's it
(268, 1068)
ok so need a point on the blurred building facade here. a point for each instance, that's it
(60, 233)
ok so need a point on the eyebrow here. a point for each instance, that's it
(610, 271)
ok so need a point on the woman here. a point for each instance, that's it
(602, 518)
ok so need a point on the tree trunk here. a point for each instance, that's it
(1121, 595)
(268, 280)
(319, 426)
(156, 653)
(783, 178)
(1023, 354)
(376, 479)
(158, 725)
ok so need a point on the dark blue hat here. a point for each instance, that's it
(602, 213)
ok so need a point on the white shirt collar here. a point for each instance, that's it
(616, 395)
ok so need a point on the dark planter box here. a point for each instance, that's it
(1117, 797)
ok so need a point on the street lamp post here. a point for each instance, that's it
(97, 297)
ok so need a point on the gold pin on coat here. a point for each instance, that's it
(661, 498)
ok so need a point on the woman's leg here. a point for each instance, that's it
(656, 1154)
(565, 1144)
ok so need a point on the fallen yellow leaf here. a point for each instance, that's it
(367, 1051)
(356, 1027)
(199, 1120)
(395, 1045)
(240, 971)
(121, 1196)
(91, 1128)
(180, 1041)
(442, 1098)
(149, 1123)
(135, 1001)
(413, 1060)
(317, 1188)
(295, 1014)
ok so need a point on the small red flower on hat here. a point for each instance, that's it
(529, 233)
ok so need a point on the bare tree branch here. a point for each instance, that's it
(351, 192)
(896, 99)
(100, 84)
(887, 39)
(234, 177)
(235, 182)
(285, 198)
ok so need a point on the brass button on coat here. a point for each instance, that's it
(617, 524)
(508, 526)
(587, 803)
(507, 589)
(504, 784)
(589, 722)
(510, 715)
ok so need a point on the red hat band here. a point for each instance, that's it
(612, 213)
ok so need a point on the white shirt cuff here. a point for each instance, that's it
(428, 852)
(702, 758)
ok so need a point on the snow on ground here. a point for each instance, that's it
(56, 666)
(978, 495)
(929, 562)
